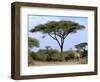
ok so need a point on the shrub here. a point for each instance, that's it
(46, 55)
(54, 57)
(53, 51)
(84, 54)
(32, 54)
(40, 56)
(68, 55)
(30, 60)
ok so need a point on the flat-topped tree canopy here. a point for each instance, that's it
(81, 46)
(58, 29)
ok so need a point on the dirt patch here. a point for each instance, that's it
(69, 62)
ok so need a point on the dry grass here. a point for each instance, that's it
(69, 62)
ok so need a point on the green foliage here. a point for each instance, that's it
(40, 55)
(54, 57)
(58, 27)
(30, 60)
(68, 54)
(53, 51)
(44, 55)
(49, 51)
(84, 54)
(32, 54)
(32, 42)
(81, 46)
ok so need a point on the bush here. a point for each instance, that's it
(32, 54)
(54, 57)
(46, 55)
(68, 55)
(30, 60)
(84, 54)
(53, 51)
(40, 56)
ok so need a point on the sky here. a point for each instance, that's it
(71, 39)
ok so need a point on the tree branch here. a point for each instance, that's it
(51, 36)
(58, 42)
(66, 35)
(57, 39)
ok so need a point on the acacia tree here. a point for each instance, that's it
(32, 42)
(81, 46)
(47, 48)
(58, 30)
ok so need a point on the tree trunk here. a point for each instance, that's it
(61, 52)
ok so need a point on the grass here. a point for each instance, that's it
(69, 62)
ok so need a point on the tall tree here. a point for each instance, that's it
(58, 30)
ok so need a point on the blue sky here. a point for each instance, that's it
(71, 39)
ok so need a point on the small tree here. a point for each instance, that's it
(81, 46)
(32, 42)
(58, 30)
(47, 48)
